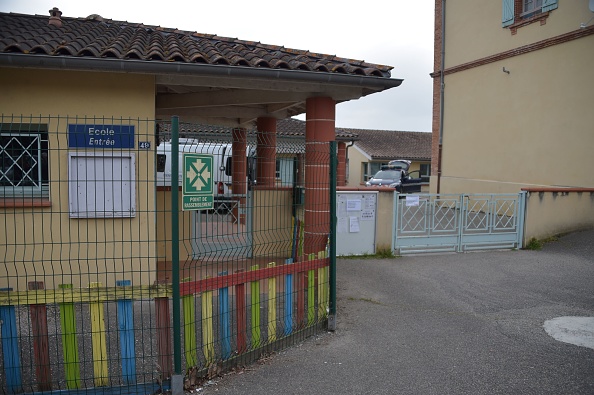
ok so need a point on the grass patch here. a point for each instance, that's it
(381, 253)
(535, 244)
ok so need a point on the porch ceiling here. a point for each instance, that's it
(240, 101)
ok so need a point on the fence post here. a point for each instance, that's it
(521, 218)
(177, 378)
(332, 270)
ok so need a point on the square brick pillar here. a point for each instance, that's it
(239, 171)
(266, 151)
(319, 131)
(341, 166)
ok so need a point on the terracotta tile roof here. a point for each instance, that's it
(392, 144)
(96, 37)
(296, 128)
(288, 128)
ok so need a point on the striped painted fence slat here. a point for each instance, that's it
(69, 342)
(98, 341)
(271, 306)
(208, 347)
(163, 316)
(38, 313)
(255, 310)
(225, 327)
(10, 348)
(190, 346)
(241, 316)
(126, 327)
(288, 301)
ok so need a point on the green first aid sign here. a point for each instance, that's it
(197, 186)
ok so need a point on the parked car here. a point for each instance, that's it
(395, 175)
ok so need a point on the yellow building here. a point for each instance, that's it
(88, 211)
(513, 94)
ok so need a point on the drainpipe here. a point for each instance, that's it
(441, 94)
(346, 158)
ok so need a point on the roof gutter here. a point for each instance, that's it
(193, 69)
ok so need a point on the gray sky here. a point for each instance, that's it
(397, 33)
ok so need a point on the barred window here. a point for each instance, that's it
(24, 170)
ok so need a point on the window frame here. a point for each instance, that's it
(38, 135)
(515, 15)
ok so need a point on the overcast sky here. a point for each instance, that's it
(397, 33)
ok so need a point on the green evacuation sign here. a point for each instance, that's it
(197, 190)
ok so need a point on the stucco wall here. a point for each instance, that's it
(355, 159)
(474, 31)
(78, 251)
(272, 222)
(531, 127)
(551, 213)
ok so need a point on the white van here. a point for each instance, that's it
(222, 163)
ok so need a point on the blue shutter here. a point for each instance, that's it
(548, 5)
(507, 17)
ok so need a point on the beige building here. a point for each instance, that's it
(512, 98)
(373, 148)
(514, 107)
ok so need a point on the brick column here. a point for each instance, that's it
(266, 151)
(319, 131)
(341, 167)
(239, 170)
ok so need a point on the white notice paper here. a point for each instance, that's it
(412, 200)
(354, 205)
(367, 215)
(354, 222)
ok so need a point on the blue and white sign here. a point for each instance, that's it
(100, 136)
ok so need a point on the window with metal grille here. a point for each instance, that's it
(24, 155)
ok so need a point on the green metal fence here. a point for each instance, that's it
(108, 285)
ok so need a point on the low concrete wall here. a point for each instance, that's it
(552, 211)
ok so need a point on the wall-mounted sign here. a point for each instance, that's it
(100, 136)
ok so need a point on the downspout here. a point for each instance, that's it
(441, 95)
(346, 158)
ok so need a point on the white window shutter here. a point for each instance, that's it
(507, 16)
(548, 5)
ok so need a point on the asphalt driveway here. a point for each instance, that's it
(445, 324)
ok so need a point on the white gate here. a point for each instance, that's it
(457, 223)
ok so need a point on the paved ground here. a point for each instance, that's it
(445, 324)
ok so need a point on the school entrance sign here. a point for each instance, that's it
(197, 186)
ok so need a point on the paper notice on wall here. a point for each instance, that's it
(354, 225)
(341, 225)
(370, 202)
(354, 205)
(367, 215)
(412, 200)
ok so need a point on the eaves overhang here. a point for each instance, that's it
(372, 83)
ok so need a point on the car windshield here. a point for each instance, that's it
(387, 175)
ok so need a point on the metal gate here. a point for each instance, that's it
(457, 223)
(225, 230)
